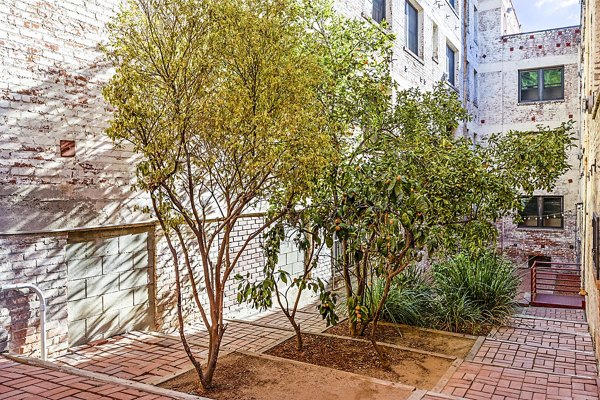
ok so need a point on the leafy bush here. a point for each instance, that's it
(466, 293)
(473, 292)
(409, 300)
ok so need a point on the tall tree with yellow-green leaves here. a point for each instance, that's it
(218, 98)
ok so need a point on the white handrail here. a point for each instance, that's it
(38, 291)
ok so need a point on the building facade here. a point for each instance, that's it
(531, 79)
(69, 220)
(590, 180)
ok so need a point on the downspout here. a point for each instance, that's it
(465, 58)
(40, 294)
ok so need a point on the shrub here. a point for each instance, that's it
(473, 292)
(409, 300)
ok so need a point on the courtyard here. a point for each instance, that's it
(541, 353)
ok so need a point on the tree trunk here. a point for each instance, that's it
(348, 285)
(376, 316)
(299, 343)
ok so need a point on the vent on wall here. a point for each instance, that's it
(67, 148)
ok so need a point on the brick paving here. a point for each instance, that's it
(553, 340)
(19, 381)
(565, 314)
(141, 357)
(531, 358)
(540, 354)
(548, 325)
(308, 321)
(153, 357)
(536, 358)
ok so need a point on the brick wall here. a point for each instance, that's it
(40, 260)
(590, 181)
(501, 57)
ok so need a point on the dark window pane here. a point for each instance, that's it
(530, 212)
(552, 212)
(412, 20)
(452, 3)
(450, 65)
(529, 86)
(552, 77)
(378, 10)
(529, 80)
(553, 84)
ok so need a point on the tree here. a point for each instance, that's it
(355, 57)
(287, 289)
(219, 100)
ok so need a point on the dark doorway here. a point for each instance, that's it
(532, 259)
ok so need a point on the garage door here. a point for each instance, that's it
(109, 283)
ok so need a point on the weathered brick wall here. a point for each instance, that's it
(37, 259)
(51, 73)
(500, 59)
(590, 181)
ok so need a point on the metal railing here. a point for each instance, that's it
(562, 279)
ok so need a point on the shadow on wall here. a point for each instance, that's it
(51, 74)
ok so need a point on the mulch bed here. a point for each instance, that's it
(415, 338)
(415, 369)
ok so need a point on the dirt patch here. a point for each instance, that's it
(412, 337)
(407, 367)
(245, 377)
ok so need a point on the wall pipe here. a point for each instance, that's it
(40, 294)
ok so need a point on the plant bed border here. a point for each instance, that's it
(390, 345)
(352, 375)
(420, 328)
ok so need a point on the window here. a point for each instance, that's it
(541, 84)
(379, 10)
(596, 244)
(452, 3)
(475, 87)
(412, 28)
(475, 23)
(450, 65)
(542, 212)
(435, 40)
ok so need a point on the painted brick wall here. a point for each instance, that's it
(590, 181)
(39, 260)
(501, 57)
(51, 73)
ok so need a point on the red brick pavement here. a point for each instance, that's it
(553, 340)
(19, 381)
(479, 381)
(308, 321)
(554, 313)
(152, 357)
(537, 358)
(549, 325)
(532, 358)
(142, 357)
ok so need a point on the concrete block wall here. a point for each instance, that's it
(110, 284)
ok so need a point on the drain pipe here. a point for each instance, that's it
(40, 295)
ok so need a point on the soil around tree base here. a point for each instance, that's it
(410, 368)
(246, 377)
(408, 336)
